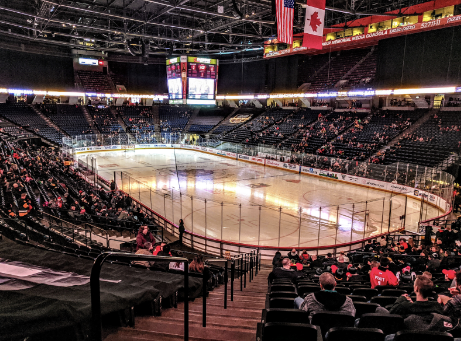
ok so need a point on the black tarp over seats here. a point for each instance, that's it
(32, 308)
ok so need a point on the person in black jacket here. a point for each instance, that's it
(181, 230)
(293, 255)
(284, 272)
(276, 260)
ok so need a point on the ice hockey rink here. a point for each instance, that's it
(254, 204)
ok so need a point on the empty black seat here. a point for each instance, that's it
(304, 290)
(364, 308)
(380, 288)
(413, 335)
(393, 292)
(343, 290)
(285, 294)
(367, 292)
(285, 315)
(383, 301)
(276, 331)
(328, 320)
(357, 298)
(283, 287)
(388, 323)
(281, 302)
(355, 334)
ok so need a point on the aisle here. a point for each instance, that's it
(237, 322)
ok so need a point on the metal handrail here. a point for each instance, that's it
(96, 320)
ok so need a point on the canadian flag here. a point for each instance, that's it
(313, 26)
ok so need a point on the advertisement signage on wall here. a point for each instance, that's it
(375, 36)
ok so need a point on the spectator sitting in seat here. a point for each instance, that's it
(147, 250)
(284, 272)
(293, 255)
(276, 260)
(163, 265)
(197, 264)
(452, 305)
(381, 275)
(422, 314)
(434, 262)
(143, 237)
(327, 299)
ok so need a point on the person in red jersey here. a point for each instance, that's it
(381, 275)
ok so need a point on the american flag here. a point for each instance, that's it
(285, 15)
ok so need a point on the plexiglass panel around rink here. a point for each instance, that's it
(227, 199)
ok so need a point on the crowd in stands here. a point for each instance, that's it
(137, 119)
(429, 144)
(395, 102)
(420, 281)
(24, 116)
(453, 102)
(173, 119)
(69, 118)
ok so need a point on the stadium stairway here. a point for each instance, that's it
(224, 120)
(360, 62)
(156, 117)
(237, 322)
(90, 120)
(193, 116)
(48, 120)
(410, 130)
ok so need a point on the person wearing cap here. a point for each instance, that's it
(328, 299)
(434, 262)
(381, 275)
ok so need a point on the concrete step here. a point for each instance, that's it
(237, 322)
(157, 330)
(218, 311)
(230, 324)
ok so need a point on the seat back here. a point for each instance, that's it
(393, 292)
(367, 292)
(388, 323)
(356, 334)
(380, 288)
(364, 308)
(383, 301)
(327, 320)
(277, 331)
(357, 298)
(413, 335)
(286, 316)
(343, 290)
(285, 294)
(281, 302)
(304, 290)
(283, 287)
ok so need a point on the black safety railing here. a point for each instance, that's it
(95, 289)
(243, 265)
(96, 320)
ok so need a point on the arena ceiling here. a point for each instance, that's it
(164, 27)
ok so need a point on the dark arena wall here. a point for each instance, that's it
(431, 58)
(270, 75)
(35, 71)
(141, 78)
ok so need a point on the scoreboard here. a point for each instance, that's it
(192, 80)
